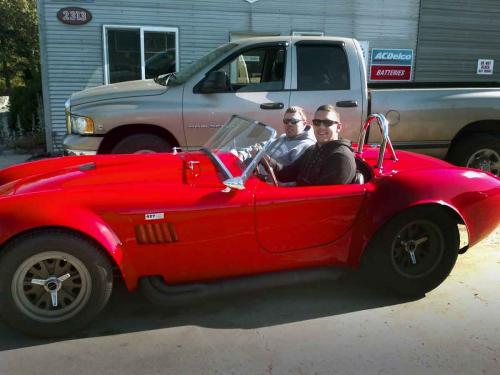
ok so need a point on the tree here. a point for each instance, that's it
(19, 48)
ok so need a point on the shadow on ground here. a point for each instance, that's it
(130, 312)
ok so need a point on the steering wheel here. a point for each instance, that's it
(269, 170)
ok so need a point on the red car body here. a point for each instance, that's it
(207, 233)
(181, 224)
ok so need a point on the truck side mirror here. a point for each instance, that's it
(215, 81)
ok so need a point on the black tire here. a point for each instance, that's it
(141, 143)
(388, 260)
(480, 151)
(28, 269)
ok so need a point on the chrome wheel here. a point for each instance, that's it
(51, 286)
(485, 159)
(417, 249)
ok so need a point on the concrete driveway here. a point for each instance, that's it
(333, 327)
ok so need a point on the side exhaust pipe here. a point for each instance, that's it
(157, 291)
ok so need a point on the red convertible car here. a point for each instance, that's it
(184, 224)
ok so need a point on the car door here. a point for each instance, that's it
(324, 73)
(259, 88)
(296, 218)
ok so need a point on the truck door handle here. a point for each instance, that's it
(272, 106)
(347, 104)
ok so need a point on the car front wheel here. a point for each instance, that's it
(415, 251)
(52, 283)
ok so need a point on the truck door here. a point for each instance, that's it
(326, 72)
(258, 87)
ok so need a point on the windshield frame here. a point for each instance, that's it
(238, 182)
(192, 69)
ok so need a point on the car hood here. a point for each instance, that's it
(91, 173)
(117, 90)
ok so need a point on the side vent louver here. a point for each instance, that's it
(155, 233)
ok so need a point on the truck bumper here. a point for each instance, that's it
(75, 144)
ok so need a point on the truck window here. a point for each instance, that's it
(322, 67)
(259, 69)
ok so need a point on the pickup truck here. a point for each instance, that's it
(259, 78)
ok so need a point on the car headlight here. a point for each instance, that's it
(82, 125)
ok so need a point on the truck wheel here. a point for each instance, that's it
(141, 144)
(53, 283)
(480, 151)
(414, 252)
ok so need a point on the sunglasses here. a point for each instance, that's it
(292, 121)
(326, 123)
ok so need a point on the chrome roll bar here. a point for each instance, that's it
(383, 125)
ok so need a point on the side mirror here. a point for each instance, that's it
(215, 81)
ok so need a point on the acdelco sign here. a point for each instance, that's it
(392, 57)
(391, 64)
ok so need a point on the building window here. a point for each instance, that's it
(139, 52)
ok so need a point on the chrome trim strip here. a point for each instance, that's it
(218, 162)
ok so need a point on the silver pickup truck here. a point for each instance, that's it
(259, 78)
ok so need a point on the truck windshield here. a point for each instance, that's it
(193, 68)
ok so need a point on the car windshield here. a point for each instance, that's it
(184, 74)
(247, 139)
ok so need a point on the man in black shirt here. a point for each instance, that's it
(330, 161)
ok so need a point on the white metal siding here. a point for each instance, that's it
(73, 55)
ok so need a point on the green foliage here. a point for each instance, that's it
(19, 69)
(23, 107)
(19, 48)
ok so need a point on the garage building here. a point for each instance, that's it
(107, 41)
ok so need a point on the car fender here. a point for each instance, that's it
(468, 194)
(52, 211)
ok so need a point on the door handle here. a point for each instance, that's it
(347, 104)
(272, 106)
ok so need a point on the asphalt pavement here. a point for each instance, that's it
(331, 327)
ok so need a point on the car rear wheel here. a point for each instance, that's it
(53, 283)
(414, 252)
(141, 144)
(479, 151)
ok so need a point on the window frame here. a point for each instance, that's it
(284, 45)
(325, 43)
(141, 29)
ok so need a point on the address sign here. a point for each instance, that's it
(74, 16)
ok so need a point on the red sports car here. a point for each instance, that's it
(186, 224)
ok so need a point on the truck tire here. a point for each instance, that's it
(480, 151)
(53, 283)
(141, 144)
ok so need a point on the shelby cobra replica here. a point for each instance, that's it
(181, 225)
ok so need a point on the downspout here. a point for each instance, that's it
(418, 40)
(45, 75)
